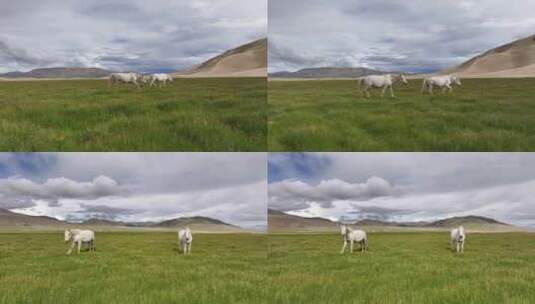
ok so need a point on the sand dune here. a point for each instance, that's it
(515, 59)
(249, 60)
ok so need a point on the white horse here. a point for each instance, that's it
(185, 238)
(350, 235)
(145, 79)
(123, 78)
(444, 82)
(380, 81)
(161, 79)
(457, 239)
(78, 237)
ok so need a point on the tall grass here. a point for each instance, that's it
(402, 268)
(332, 115)
(132, 268)
(86, 115)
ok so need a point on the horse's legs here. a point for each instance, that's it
(344, 247)
(383, 91)
(71, 248)
(462, 246)
(450, 88)
(367, 92)
(79, 245)
(431, 89)
(351, 246)
(457, 249)
(391, 92)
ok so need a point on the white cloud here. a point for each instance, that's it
(414, 35)
(125, 35)
(137, 186)
(294, 194)
(58, 188)
(420, 187)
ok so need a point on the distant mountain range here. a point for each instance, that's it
(327, 72)
(9, 219)
(281, 222)
(61, 72)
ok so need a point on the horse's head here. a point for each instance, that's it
(187, 235)
(403, 79)
(343, 229)
(68, 235)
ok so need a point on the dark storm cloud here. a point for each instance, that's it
(408, 186)
(140, 35)
(391, 34)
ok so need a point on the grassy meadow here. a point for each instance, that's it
(85, 115)
(332, 115)
(130, 267)
(401, 268)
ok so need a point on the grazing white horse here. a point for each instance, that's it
(350, 235)
(161, 79)
(185, 238)
(457, 239)
(380, 81)
(77, 237)
(123, 78)
(444, 82)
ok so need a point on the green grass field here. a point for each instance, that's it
(402, 268)
(85, 115)
(132, 267)
(332, 115)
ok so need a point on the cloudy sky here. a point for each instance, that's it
(400, 35)
(136, 186)
(138, 35)
(404, 186)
